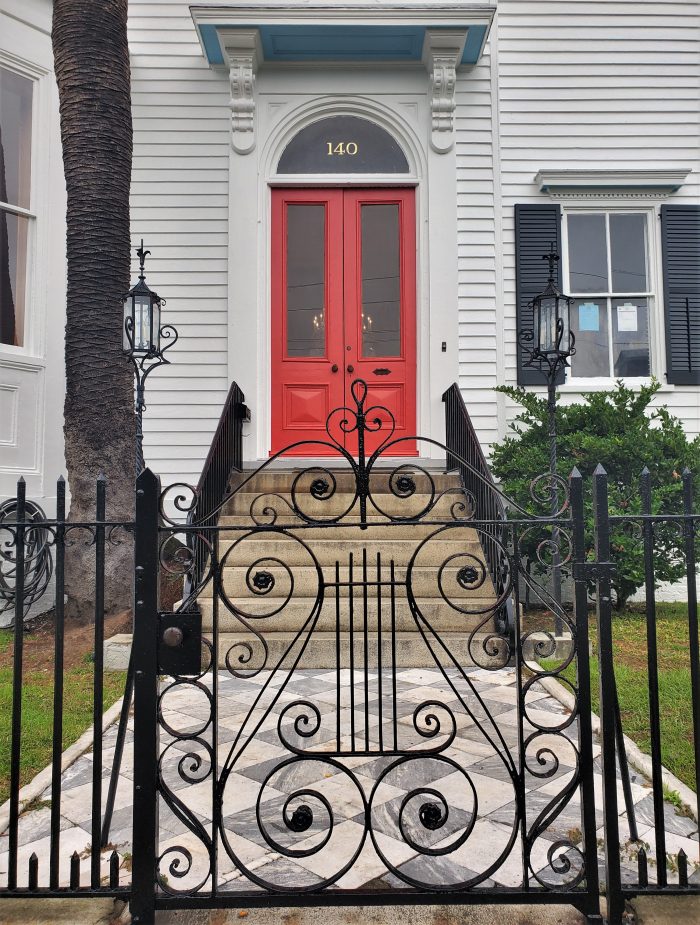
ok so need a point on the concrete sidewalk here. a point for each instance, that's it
(657, 910)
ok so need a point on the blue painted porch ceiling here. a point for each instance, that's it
(288, 43)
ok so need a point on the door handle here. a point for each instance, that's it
(351, 368)
(334, 368)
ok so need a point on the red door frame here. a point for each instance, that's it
(310, 381)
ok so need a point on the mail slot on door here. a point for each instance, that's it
(180, 643)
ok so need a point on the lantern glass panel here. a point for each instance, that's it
(142, 324)
(128, 324)
(155, 337)
(565, 315)
(547, 334)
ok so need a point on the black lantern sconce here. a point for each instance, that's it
(550, 342)
(144, 342)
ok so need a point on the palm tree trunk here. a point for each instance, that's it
(92, 70)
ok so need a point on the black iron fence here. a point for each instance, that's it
(60, 869)
(619, 865)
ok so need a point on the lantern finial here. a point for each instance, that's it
(142, 254)
(552, 257)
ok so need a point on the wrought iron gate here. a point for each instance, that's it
(362, 782)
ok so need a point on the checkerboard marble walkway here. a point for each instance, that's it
(282, 748)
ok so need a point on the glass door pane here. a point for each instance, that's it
(381, 280)
(306, 280)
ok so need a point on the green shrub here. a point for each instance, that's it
(618, 429)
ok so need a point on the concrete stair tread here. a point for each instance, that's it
(270, 479)
(342, 503)
(463, 649)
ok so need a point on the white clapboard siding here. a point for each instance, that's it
(561, 84)
(475, 247)
(585, 84)
(179, 204)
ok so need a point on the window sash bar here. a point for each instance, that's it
(17, 210)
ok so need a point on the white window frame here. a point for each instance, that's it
(32, 339)
(653, 294)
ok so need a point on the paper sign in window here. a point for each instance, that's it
(627, 317)
(588, 317)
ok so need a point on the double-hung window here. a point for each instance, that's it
(610, 280)
(16, 92)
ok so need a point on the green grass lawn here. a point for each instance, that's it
(37, 709)
(630, 653)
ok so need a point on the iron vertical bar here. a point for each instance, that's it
(351, 638)
(216, 794)
(337, 653)
(365, 642)
(556, 559)
(97, 683)
(58, 646)
(694, 647)
(624, 769)
(145, 647)
(379, 651)
(392, 573)
(118, 751)
(583, 681)
(607, 699)
(520, 790)
(16, 745)
(362, 476)
(653, 681)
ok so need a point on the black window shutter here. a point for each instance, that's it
(537, 226)
(680, 248)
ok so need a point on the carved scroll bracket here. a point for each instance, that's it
(442, 54)
(243, 54)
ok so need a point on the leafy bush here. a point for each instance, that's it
(618, 429)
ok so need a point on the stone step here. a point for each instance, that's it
(270, 545)
(425, 583)
(344, 503)
(321, 651)
(275, 480)
(291, 618)
(349, 528)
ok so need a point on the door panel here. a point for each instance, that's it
(343, 307)
(380, 306)
(307, 314)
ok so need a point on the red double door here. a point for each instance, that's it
(343, 308)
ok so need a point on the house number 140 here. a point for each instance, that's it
(342, 148)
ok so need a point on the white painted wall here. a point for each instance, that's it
(32, 377)
(180, 208)
(561, 83)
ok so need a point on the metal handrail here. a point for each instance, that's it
(225, 457)
(464, 447)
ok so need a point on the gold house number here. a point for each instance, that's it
(342, 148)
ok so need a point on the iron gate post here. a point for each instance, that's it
(690, 532)
(145, 650)
(613, 883)
(583, 680)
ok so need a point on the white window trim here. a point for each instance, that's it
(33, 347)
(654, 296)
